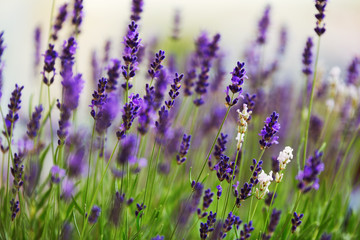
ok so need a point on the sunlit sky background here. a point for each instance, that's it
(236, 20)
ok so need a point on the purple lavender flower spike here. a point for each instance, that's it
(94, 214)
(37, 38)
(14, 208)
(184, 148)
(76, 162)
(274, 220)
(160, 88)
(269, 130)
(34, 123)
(176, 25)
(249, 100)
(116, 209)
(77, 15)
(158, 238)
(140, 208)
(224, 169)
(309, 177)
(296, 221)
(263, 26)
(127, 150)
(255, 169)
(99, 97)
(207, 227)
(57, 174)
(146, 110)
(72, 89)
(68, 54)
(219, 191)
(307, 57)
(162, 124)
(17, 171)
(191, 206)
(208, 198)
(353, 71)
(269, 197)
(113, 75)
(14, 107)
(228, 224)
(130, 112)
(237, 80)
(49, 65)
(320, 26)
(68, 189)
(220, 146)
(174, 91)
(132, 44)
(64, 122)
(156, 66)
(189, 82)
(136, 10)
(106, 114)
(60, 19)
(246, 233)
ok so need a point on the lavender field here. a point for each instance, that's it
(160, 134)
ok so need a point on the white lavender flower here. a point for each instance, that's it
(264, 182)
(242, 125)
(285, 157)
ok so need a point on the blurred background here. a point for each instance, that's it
(236, 20)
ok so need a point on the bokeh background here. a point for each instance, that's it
(236, 20)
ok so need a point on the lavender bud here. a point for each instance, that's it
(246, 233)
(34, 123)
(263, 26)
(136, 10)
(14, 208)
(14, 107)
(77, 15)
(60, 19)
(308, 178)
(296, 221)
(320, 27)
(307, 57)
(156, 66)
(94, 215)
(57, 174)
(269, 130)
(140, 208)
(184, 148)
(49, 65)
(113, 75)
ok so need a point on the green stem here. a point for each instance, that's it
(148, 173)
(252, 216)
(155, 173)
(213, 145)
(51, 129)
(269, 210)
(97, 189)
(311, 102)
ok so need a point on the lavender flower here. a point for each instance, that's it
(174, 91)
(99, 97)
(66, 231)
(76, 162)
(106, 114)
(116, 209)
(308, 178)
(132, 44)
(130, 112)
(72, 88)
(274, 220)
(189, 82)
(296, 221)
(160, 88)
(77, 15)
(162, 124)
(207, 227)
(158, 238)
(146, 110)
(136, 10)
(246, 233)
(269, 198)
(283, 40)
(320, 26)
(68, 55)
(249, 100)
(126, 154)
(94, 215)
(224, 169)
(139, 212)
(68, 189)
(64, 123)
(268, 132)
(184, 148)
(34, 123)
(263, 26)
(228, 224)
(14, 107)
(207, 200)
(256, 168)
(237, 79)
(219, 191)
(14, 208)
(191, 206)
(220, 146)
(49, 65)
(17, 171)
(307, 57)
(57, 174)
(60, 19)
(37, 38)
(315, 128)
(204, 229)
(156, 66)
(353, 71)
(113, 75)
(176, 25)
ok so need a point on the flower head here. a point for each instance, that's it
(49, 65)
(309, 177)
(77, 15)
(237, 80)
(113, 75)
(320, 26)
(184, 148)
(34, 123)
(94, 215)
(136, 9)
(57, 174)
(14, 107)
(307, 57)
(60, 19)
(264, 182)
(296, 221)
(243, 117)
(156, 66)
(263, 26)
(269, 130)
(285, 157)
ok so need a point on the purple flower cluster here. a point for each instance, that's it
(132, 45)
(113, 75)
(296, 221)
(117, 208)
(307, 57)
(225, 168)
(64, 123)
(99, 97)
(136, 9)
(57, 174)
(126, 154)
(94, 214)
(140, 208)
(190, 206)
(34, 123)
(37, 45)
(156, 66)
(146, 110)
(263, 26)
(249, 100)
(269, 130)
(60, 19)
(14, 208)
(189, 82)
(230, 221)
(320, 6)
(207, 227)
(237, 79)
(219, 191)
(174, 91)
(184, 148)
(49, 65)
(17, 171)
(246, 233)
(162, 124)
(220, 146)
(106, 114)
(77, 15)
(14, 107)
(274, 221)
(160, 88)
(353, 71)
(309, 177)
(76, 163)
(130, 112)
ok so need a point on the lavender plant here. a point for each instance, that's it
(137, 169)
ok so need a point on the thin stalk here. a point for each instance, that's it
(97, 189)
(51, 129)
(148, 173)
(252, 216)
(154, 178)
(213, 145)
(194, 120)
(269, 210)
(311, 102)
